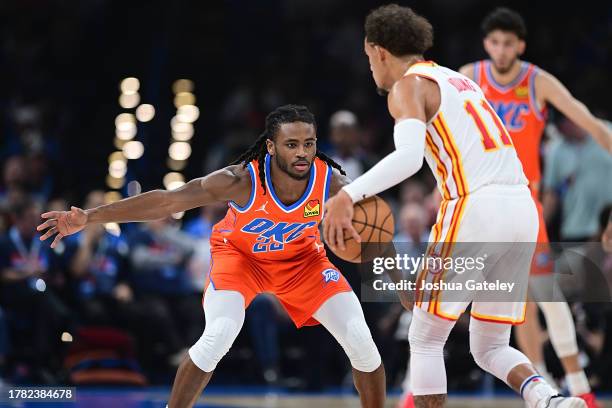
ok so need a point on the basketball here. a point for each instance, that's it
(373, 220)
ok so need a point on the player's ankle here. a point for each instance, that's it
(537, 392)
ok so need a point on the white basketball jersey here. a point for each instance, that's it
(467, 146)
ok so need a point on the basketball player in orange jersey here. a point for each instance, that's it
(479, 177)
(268, 242)
(520, 92)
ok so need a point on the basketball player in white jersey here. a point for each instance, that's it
(443, 116)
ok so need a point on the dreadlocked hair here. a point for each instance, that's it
(280, 115)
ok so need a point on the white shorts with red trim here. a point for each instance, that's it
(497, 225)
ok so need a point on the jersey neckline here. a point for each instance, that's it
(301, 200)
(509, 86)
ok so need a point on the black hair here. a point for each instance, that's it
(504, 19)
(399, 30)
(280, 115)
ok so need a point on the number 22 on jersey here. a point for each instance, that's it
(488, 142)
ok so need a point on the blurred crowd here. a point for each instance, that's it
(122, 305)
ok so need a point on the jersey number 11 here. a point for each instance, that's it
(488, 142)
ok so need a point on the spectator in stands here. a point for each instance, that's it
(346, 145)
(159, 254)
(39, 315)
(4, 343)
(576, 182)
(98, 265)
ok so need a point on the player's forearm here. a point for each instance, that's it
(149, 206)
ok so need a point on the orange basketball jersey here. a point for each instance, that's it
(265, 229)
(516, 105)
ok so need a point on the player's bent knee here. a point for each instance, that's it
(361, 350)
(491, 350)
(214, 344)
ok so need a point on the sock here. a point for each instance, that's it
(578, 383)
(536, 391)
(543, 371)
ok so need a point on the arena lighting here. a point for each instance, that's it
(114, 183)
(145, 112)
(116, 156)
(134, 188)
(173, 177)
(127, 134)
(180, 127)
(183, 136)
(66, 337)
(184, 98)
(113, 227)
(129, 101)
(40, 284)
(179, 151)
(129, 85)
(111, 197)
(175, 184)
(125, 121)
(119, 143)
(176, 165)
(117, 169)
(178, 216)
(182, 85)
(133, 150)
(187, 113)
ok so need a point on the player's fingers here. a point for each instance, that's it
(340, 238)
(50, 214)
(327, 233)
(354, 233)
(49, 233)
(49, 223)
(57, 239)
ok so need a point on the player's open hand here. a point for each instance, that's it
(62, 223)
(338, 218)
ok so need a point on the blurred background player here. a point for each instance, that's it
(267, 242)
(520, 92)
(479, 175)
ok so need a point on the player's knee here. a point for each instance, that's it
(490, 348)
(214, 344)
(360, 347)
(428, 334)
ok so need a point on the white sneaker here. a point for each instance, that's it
(559, 401)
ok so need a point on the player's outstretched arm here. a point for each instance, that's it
(551, 90)
(226, 184)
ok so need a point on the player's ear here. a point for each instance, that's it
(380, 53)
(521, 47)
(270, 146)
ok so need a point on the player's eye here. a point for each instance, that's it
(291, 145)
(308, 144)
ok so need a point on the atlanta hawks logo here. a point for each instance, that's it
(312, 208)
